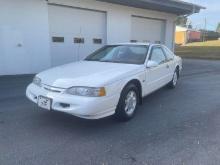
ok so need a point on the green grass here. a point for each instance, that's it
(200, 50)
(207, 43)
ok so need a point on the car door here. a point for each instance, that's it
(171, 62)
(157, 76)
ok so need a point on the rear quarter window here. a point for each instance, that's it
(169, 54)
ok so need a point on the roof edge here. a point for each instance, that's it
(177, 7)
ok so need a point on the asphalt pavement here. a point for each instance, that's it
(172, 127)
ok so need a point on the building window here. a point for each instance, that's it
(77, 40)
(97, 41)
(157, 42)
(133, 41)
(58, 39)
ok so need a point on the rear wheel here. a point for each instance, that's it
(128, 103)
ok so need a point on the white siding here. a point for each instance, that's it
(24, 36)
(28, 20)
(119, 19)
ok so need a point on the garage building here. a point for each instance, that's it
(39, 34)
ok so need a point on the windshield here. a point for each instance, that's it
(128, 54)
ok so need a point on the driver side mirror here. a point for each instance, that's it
(152, 64)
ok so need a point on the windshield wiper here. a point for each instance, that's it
(105, 61)
(110, 61)
(90, 60)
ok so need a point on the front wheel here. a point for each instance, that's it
(174, 81)
(128, 103)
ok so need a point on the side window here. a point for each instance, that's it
(97, 40)
(157, 55)
(78, 40)
(58, 39)
(168, 53)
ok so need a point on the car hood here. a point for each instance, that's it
(87, 73)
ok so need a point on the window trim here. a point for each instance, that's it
(163, 47)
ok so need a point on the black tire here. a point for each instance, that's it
(121, 113)
(174, 81)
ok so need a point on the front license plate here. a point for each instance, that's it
(44, 102)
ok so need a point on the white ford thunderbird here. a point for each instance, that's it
(111, 81)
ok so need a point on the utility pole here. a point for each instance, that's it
(205, 30)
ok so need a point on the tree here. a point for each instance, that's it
(181, 21)
(190, 26)
(218, 28)
(209, 35)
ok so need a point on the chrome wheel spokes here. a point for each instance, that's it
(130, 102)
(175, 78)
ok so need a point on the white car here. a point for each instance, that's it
(111, 81)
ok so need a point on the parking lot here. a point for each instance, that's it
(172, 127)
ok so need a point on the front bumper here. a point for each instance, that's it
(83, 107)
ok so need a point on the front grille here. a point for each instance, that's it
(53, 89)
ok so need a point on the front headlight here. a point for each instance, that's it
(87, 91)
(37, 81)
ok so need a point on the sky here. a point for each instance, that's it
(211, 14)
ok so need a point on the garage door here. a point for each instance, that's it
(147, 30)
(75, 33)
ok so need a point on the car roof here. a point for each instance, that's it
(132, 43)
(136, 43)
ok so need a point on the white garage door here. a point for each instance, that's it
(75, 33)
(147, 30)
